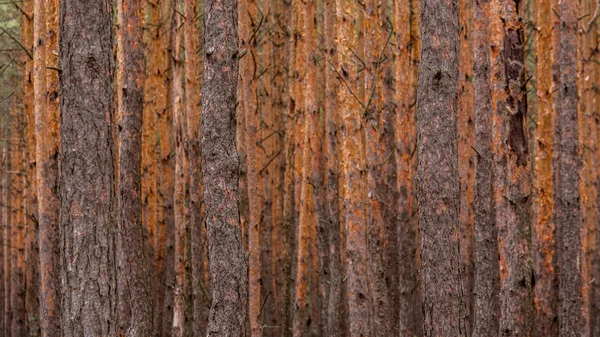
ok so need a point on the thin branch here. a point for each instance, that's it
(7, 97)
(17, 42)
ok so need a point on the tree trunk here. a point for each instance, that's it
(134, 285)
(572, 309)
(194, 33)
(165, 242)
(408, 292)
(356, 258)
(6, 219)
(511, 169)
(543, 234)
(179, 192)
(220, 168)
(248, 39)
(486, 308)
(86, 170)
(466, 162)
(438, 177)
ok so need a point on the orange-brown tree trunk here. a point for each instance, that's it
(249, 26)
(20, 113)
(408, 306)
(133, 259)
(543, 231)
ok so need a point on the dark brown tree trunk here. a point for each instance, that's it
(573, 319)
(220, 168)
(437, 174)
(511, 168)
(134, 286)
(486, 310)
(86, 170)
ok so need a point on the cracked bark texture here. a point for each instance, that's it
(511, 168)
(220, 168)
(86, 170)
(134, 285)
(486, 308)
(438, 185)
(572, 312)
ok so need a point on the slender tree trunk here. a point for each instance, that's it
(163, 317)
(134, 285)
(179, 192)
(573, 318)
(250, 19)
(86, 170)
(587, 152)
(19, 173)
(16, 177)
(543, 234)
(486, 307)
(466, 162)
(356, 254)
(381, 176)
(194, 33)
(220, 168)
(511, 169)
(332, 327)
(408, 304)
(7, 231)
(154, 100)
(438, 177)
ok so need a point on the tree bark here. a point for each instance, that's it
(220, 168)
(180, 172)
(511, 169)
(543, 234)
(573, 319)
(486, 307)
(134, 285)
(86, 170)
(194, 33)
(437, 174)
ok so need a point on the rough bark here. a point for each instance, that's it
(356, 254)
(248, 12)
(511, 169)
(165, 237)
(437, 174)
(466, 163)
(134, 285)
(194, 33)
(220, 167)
(180, 173)
(408, 290)
(86, 170)
(486, 307)
(573, 320)
(332, 327)
(543, 234)
(47, 118)
(7, 234)
(154, 100)
(379, 161)
(16, 176)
